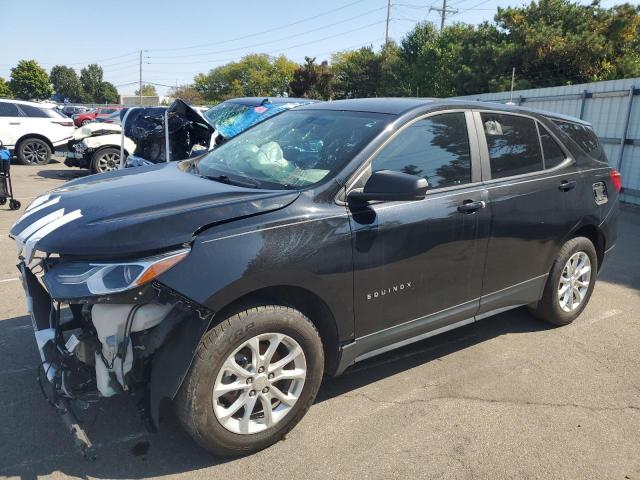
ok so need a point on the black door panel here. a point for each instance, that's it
(416, 258)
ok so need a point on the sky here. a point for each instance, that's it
(182, 38)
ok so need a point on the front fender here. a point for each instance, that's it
(312, 252)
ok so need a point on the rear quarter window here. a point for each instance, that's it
(584, 136)
(8, 110)
(33, 112)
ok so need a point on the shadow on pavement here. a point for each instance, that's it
(35, 441)
(65, 173)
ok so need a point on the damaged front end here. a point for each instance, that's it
(110, 340)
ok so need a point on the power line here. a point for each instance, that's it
(297, 22)
(275, 51)
(288, 37)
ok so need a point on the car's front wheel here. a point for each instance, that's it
(33, 151)
(570, 283)
(253, 378)
(105, 160)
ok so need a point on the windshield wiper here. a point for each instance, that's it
(245, 182)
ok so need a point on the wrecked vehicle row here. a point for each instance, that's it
(183, 130)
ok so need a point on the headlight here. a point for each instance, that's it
(83, 279)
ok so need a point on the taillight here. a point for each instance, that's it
(64, 123)
(616, 179)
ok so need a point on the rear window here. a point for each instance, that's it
(107, 110)
(33, 112)
(553, 154)
(8, 110)
(584, 136)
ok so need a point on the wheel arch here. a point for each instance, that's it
(34, 135)
(303, 300)
(596, 236)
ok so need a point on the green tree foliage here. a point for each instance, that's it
(107, 93)
(147, 91)
(555, 42)
(66, 83)
(91, 80)
(357, 73)
(5, 91)
(188, 94)
(254, 75)
(29, 81)
(312, 80)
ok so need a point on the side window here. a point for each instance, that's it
(436, 148)
(8, 110)
(33, 112)
(553, 154)
(513, 144)
(584, 136)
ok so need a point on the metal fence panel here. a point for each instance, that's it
(606, 106)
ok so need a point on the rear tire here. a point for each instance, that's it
(204, 411)
(33, 151)
(570, 283)
(85, 122)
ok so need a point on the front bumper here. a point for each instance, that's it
(73, 157)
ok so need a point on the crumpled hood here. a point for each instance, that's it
(92, 129)
(137, 211)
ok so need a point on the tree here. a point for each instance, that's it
(5, 91)
(91, 80)
(358, 73)
(557, 42)
(188, 94)
(147, 91)
(29, 81)
(253, 75)
(107, 93)
(66, 83)
(311, 80)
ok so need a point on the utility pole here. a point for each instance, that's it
(140, 83)
(386, 32)
(443, 12)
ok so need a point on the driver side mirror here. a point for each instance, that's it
(387, 185)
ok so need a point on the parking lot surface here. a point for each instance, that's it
(506, 397)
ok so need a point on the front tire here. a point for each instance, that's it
(570, 283)
(105, 160)
(33, 151)
(253, 378)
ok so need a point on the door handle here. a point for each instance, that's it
(14, 123)
(567, 185)
(469, 206)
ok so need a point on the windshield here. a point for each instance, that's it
(230, 118)
(293, 150)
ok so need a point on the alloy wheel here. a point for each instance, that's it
(574, 281)
(107, 162)
(259, 383)
(35, 153)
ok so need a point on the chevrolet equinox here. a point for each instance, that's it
(230, 283)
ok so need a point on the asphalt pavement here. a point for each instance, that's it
(506, 397)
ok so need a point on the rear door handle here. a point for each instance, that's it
(14, 123)
(469, 206)
(567, 185)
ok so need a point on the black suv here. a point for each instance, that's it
(231, 282)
